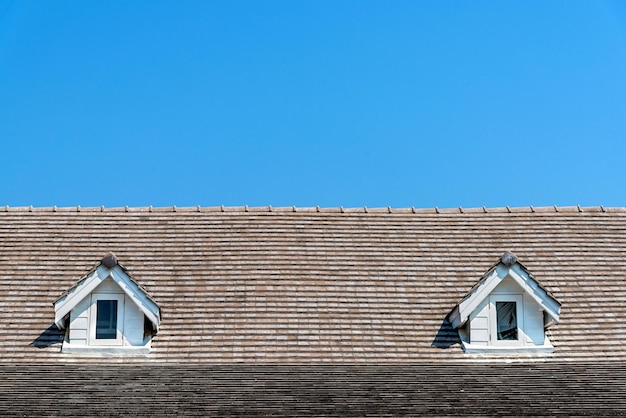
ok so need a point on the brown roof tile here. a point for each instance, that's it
(309, 285)
(536, 389)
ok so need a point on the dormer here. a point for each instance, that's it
(508, 311)
(107, 312)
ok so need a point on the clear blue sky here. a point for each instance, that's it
(330, 103)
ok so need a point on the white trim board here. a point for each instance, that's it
(461, 312)
(85, 287)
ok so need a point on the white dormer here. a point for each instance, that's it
(107, 312)
(508, 311)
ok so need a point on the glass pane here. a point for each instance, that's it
(507, 320)
(106, 319)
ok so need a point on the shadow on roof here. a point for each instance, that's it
(53, 335)
(446, 336)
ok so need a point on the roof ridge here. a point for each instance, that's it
(340, 209)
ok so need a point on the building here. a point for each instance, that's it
(291, 311)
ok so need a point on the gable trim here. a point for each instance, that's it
(86, 286)
(461, 312)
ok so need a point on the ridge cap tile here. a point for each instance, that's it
(340, 209)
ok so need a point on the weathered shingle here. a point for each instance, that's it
(312, 285)
(578, 389)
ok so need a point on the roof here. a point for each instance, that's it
(292, 312)
(544, 389)
(310, 286)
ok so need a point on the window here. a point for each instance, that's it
(506, 318)
(107, 319)
(506, 313)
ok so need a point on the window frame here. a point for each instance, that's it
(493, 319)
(93, 315)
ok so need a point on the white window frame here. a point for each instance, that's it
(93, 314)
(493, 319)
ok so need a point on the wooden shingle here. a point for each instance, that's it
(341, 287)
(308, 286)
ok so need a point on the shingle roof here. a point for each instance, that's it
(266, 285)
(544, 389)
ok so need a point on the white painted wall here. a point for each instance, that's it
(479, 324)
(508, 286)
(133, 318)
(108, 286)
(79, 323)
(531, 325)
(533, 322)
(133, 324)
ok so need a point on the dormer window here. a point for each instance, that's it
(506, 312)
(107, 312)
(105, 309)
(506, 320)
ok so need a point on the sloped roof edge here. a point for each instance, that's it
(108, 267)
(507, 266)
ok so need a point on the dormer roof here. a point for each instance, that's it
(507, 266)
(107, 268)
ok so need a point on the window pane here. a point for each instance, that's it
(106, 319)
(507, 320)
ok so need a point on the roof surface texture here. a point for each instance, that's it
(538, 389)
(311, 286)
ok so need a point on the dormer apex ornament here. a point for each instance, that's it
(109, 261)
(508, 259)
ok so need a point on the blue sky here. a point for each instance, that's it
(349, 103)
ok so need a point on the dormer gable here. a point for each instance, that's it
(507, 311)
(107, 311)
